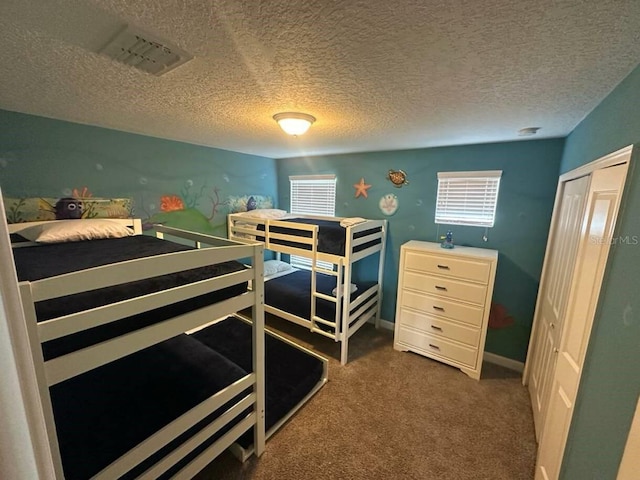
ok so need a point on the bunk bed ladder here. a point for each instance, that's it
(315, 295)
(314, 271)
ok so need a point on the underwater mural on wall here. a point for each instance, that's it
(499, 317)
(245, 203)
(179, 210)
(78, 203)
(200, 209)
(184, 210)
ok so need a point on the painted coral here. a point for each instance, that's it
(499, 317)
(171, 203)
(83, 193)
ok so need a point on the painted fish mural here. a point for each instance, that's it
(68, 208)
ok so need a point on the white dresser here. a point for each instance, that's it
(444, 298)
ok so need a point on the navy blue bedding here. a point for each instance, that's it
(17, 238)
(331, 236)
(102, 414)
(42, 261)
(290, 373)
(292, 293)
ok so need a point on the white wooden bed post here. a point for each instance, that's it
(259, 348)
(314, 266)
(383, 248)
(43, 385)
(346, 292)
(337, 334)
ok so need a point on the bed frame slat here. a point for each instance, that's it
(133, 270)
(216, 449)
(76, 322)
(187, 447)
(80, 361)
(171, 431)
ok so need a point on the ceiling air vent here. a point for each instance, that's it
(145, 52)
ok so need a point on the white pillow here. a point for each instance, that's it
(270, 213)
(271, 267)
(75, 230)
(352, 288)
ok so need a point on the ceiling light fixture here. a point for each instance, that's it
(294, 123)
(527, 132)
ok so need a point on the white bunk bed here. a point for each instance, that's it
(187, 443)
(321, 239)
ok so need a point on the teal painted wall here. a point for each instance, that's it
(525, 203)
(40, 157)
(610, 382)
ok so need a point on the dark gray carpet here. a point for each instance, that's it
(393, 415)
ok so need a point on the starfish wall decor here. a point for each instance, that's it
(361, 188)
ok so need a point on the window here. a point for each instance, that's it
(468, 198)
(312, 195)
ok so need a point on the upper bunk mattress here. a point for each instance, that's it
(332, 236)
(43, 261)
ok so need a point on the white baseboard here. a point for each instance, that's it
(504, 362)
(386, 324)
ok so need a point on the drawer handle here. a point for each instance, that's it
(434, 346)
(443, 267)
(435, 327)
(440, 309)
(438, 287)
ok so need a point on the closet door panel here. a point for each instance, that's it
(555, 293)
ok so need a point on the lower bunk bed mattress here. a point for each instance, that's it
(102, 414)
(290, 372)
(292, 293)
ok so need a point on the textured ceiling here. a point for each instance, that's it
(377, 74)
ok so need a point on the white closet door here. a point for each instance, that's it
(630, 464)
(555, 294)
(597, 231)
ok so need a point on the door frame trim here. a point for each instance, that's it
(615, 158)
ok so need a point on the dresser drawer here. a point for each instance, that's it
(442, 307)
(440, 327)
(432, 345)
(467, 269)
(445, 287)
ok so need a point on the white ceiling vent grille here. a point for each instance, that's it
(145, 52)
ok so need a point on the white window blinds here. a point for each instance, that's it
(468, 198)
(313, 194)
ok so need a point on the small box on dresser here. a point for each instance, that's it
(444, 299)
